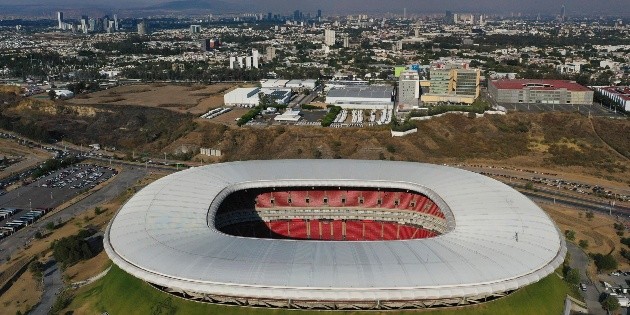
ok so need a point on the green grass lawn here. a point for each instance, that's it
(121, 293)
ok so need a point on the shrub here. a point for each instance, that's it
(570, 235)
(583, 244)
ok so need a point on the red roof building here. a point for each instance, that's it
(540, 91)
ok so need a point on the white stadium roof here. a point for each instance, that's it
(499, 240)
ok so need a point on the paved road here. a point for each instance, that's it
(53, 284)
(125, 179)
(579, 260)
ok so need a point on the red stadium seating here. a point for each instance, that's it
(335, 197)
(316, 198)
(297, 229)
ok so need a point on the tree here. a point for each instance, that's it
(610, 303)
(573, 276)
(583, 244)
(604, 262)
(37, 268)
(570, 235)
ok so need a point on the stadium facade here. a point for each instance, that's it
(334, 234)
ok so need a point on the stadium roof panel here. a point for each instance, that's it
(499, 240)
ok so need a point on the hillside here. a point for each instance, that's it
(597, 146)
(554, 140)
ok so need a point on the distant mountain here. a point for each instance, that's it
(186, 5)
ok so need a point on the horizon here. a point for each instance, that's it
(329, 7)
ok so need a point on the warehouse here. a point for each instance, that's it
(249, 97)
(361, 97)
(540, 91)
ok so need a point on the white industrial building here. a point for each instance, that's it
(249, 97)
(376, 97)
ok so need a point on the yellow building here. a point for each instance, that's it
(452, 85)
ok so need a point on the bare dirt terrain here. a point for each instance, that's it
(194, 99)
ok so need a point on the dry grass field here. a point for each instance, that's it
(88, 268)
(195, 99)
(22, 296)
(598, 231)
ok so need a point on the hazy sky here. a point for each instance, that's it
(576, 7)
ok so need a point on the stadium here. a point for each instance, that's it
(333, 234)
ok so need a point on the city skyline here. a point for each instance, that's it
(573, 7)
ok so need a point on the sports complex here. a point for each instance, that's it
(334, 234)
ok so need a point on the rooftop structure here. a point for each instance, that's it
(361, 97)
(249, 97)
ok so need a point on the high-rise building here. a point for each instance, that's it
(142, 28)
(116, 22)
(319, 14)
(408, 90)
(449, 18)
(84, 24)
(269, 16)
(195, 29)
(271, 54)
(206, 44)
(563, 14)
(296, 15)
(329, 37)
(60, 19)
(346, 41)
(255, 58)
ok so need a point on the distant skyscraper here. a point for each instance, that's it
(563, 14)
(84, 24)
(329, 37)
(405, 13)
(449, 18)
(319, 14)
(116, 22)
(60, 19)
(346, 42)
(269, 16)
(195, 29)
(296, 15)
(142, 28)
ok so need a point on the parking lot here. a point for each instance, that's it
(25, 205)
(617, 284)
(56, 188)
(593, 110)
